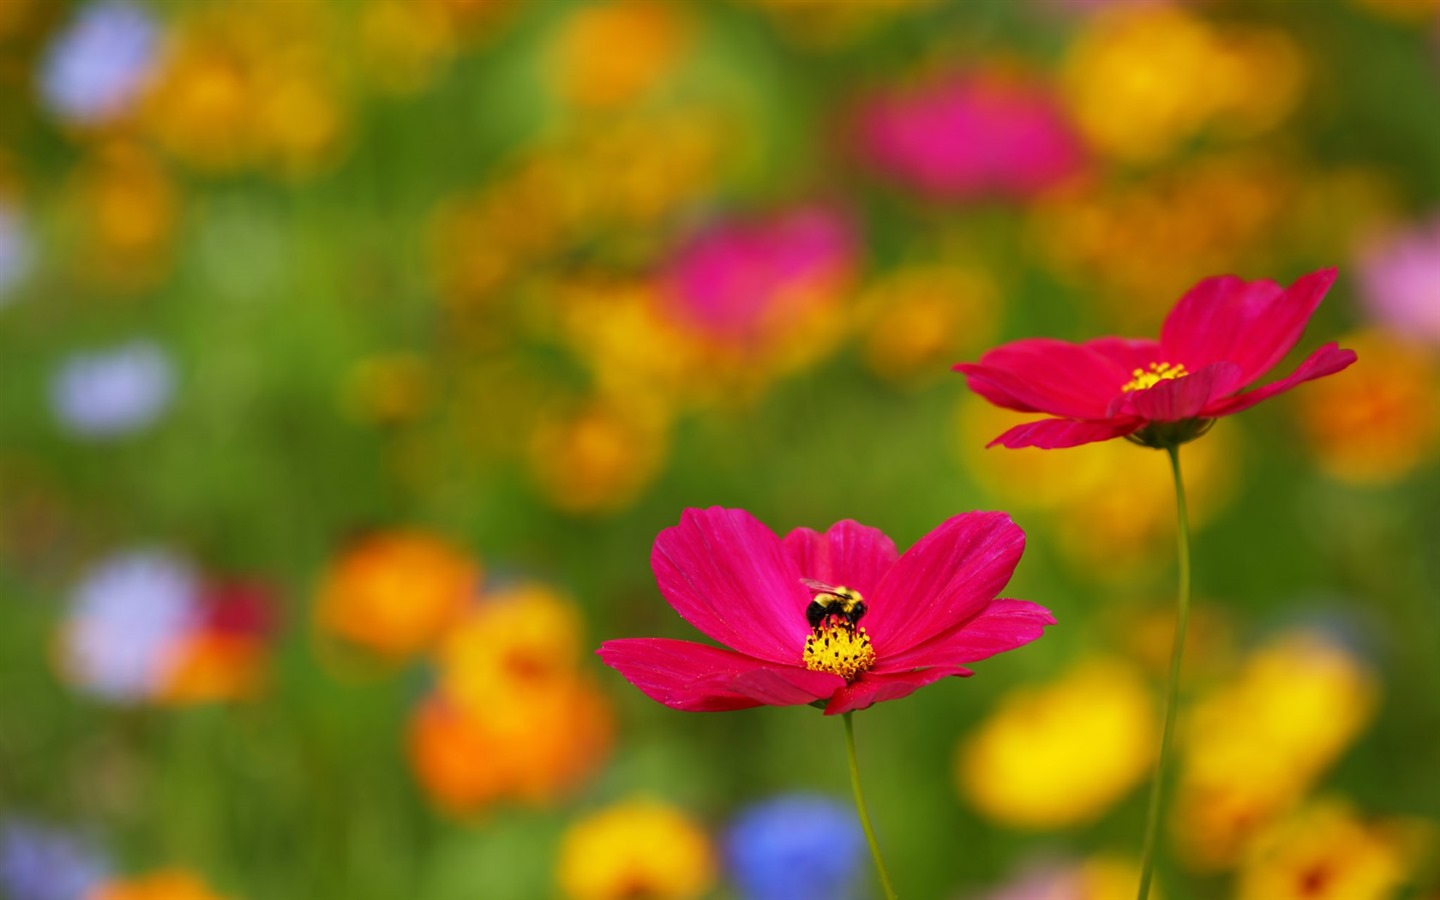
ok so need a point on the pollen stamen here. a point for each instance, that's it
(1158, 372)
(841, 648)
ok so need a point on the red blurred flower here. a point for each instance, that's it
(925, 613)
(1221, 337)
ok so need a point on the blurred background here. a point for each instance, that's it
(352, 354)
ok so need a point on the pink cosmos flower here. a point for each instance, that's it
(1400, 281)
(738, 278)
(971, 134)
(1221, 337)
(838, 618)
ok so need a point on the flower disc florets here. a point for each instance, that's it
(839, 647)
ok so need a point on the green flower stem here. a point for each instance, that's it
(1172, 693)
(860, 807)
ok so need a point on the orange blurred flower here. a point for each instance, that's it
(170, 884)
(467, 759)
(599, 458)
(513, 717)
(1381, 423)
(610, 54)
(1323, 852)
(395, 593)
(126, 210)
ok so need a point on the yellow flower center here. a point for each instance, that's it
(839, 647)
(1158, 372)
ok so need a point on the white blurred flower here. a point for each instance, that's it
(113, 392)
(127, 616)
(97, 67)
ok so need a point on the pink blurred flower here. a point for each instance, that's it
(738, 280)
(1400, 281)
(924, 613)
(1221, 337)
(971, 134)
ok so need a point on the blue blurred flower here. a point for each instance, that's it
(127, 616)
(15, 249)
(97, 67)
(796, 847)
(113, 392)
(40, 862)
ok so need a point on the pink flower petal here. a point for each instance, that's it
(1128, 354)
(1046, 375)
(1177, 399)
(729, 576)
(849, 554)
(699, 678)
(873, 688)
(950, 574)
(1053, 434)
(1003, 625)
(1252, 324)
(1327, 360)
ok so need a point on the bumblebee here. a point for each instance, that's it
(831, 600)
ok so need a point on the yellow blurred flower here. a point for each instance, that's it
(1060, 754)
(126, 210)
(612, 182)
(395, 593)
(599, 458)
(300, 116)
(1112, 504)
(637, 848)
(526, 637)
(918, 320)
(170, 884)
(1111, 878)
(1380, 423)
(1253, 747)
(404, 44)
(1138, 246)
(616, 328)
(242, 85)
(610, 54)
(1142, 79)
(1323, 852)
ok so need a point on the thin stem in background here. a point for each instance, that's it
(860, 807)
(1172, 693)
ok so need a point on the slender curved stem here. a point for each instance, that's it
(1172, 694)
(860, 807)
